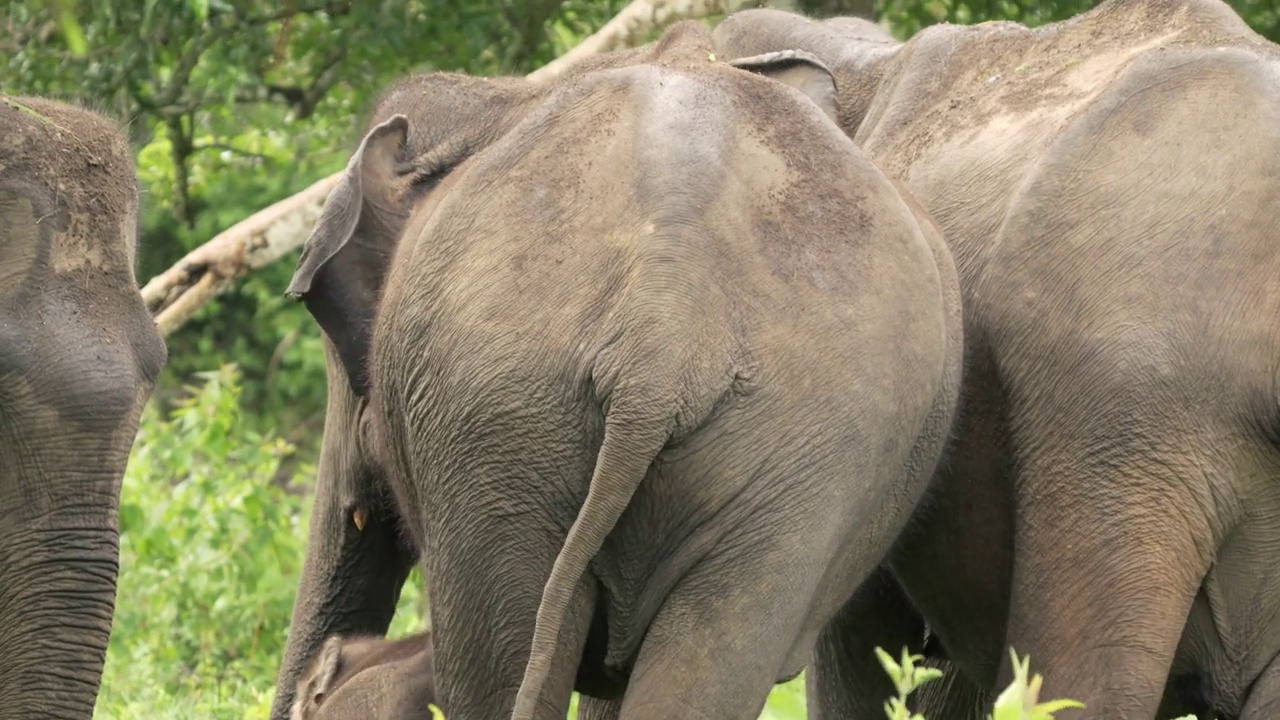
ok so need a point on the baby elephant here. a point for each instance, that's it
(399, 683)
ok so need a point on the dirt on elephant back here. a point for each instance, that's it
(81, 162)
(978, 72)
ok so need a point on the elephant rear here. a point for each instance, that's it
(648, 380)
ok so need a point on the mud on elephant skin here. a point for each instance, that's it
(79, 355)
(1108, 185)
(655, 339)
(367, 677)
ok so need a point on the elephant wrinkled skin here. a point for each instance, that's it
(655, 338)
(79, 355)
(1109, 186)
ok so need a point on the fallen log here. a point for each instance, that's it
(176, 294)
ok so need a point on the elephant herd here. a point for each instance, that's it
(738, 354)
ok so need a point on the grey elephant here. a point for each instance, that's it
(79, 355)
(651, 364)
(1109, 187)
(367, 677)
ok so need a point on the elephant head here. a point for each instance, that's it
(79, 355)
(417, 144)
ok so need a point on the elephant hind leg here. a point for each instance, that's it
(725, 634)
(1264, 696)
(1108, 560)
(845, 680)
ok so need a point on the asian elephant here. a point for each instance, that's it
(651, 364)
(1109, 186)
(79, 355)
(367, 677)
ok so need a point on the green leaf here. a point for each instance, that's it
(1055, 705)
(71, 30)
(890, 667)
(201, 9)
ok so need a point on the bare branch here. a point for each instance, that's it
(259, 240)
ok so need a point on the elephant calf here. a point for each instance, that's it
(650, 362)
(367, 677)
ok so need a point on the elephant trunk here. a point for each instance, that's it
(57, 595)
(351, 581)
(357, 556)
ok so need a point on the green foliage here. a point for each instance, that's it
(71, 31)
(1019, 701)
(210, 553)
(906, 678)
(787, 701)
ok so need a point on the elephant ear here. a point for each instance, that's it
(799, 69)
(339, 281)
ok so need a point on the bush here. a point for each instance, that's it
(210, 553)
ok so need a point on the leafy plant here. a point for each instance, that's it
(906, 679)
(210, 553)
(1019, 701)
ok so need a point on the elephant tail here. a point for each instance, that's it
(631, 442)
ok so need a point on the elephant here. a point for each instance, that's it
(648, 366)
(1107, 185)
(367, 677)
(79, 356)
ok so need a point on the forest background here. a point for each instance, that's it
(232, 105)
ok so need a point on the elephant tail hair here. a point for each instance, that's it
(631, 442)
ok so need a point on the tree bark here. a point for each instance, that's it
(271, 233)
